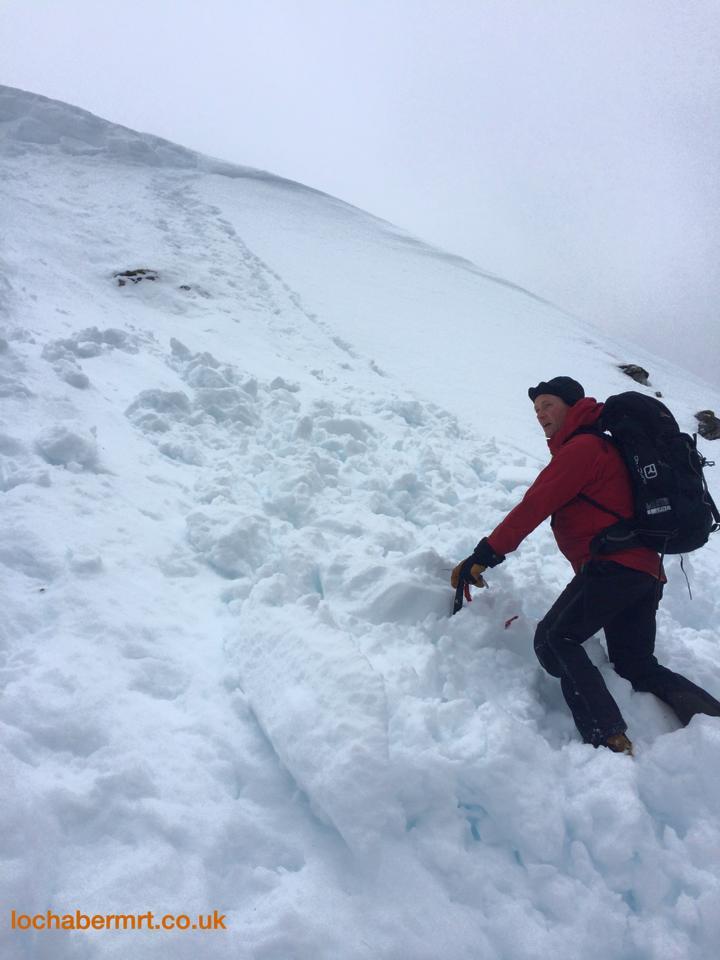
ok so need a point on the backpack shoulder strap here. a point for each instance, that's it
(594, 503)
(595, 431)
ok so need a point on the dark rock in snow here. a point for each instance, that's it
(635, 372)
(708, 425)
(135, 276)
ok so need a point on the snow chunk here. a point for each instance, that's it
(347, 426)
(280, 384)
(179, 350)
(63, 354)
(173, 403)
(226, 404)
(62, 447)
(9, 446)
(182, 451)
(14, 474)
(323, 709)
(11, 387)
(203, 376)
(90, 342)
(72, 374)
(516, 476)
(233, 550)
(23, 551)
(85, 562)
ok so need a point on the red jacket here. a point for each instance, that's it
(583, 464)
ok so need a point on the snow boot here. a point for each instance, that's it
(688, 703)
(619, 743)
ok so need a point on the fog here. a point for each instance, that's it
(570, 147)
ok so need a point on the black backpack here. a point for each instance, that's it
(674, 512)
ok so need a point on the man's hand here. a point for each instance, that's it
(475, 576)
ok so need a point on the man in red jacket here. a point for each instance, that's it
(619, 595)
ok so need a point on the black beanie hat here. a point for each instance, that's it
(566, 388)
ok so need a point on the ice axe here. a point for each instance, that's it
(462, 591)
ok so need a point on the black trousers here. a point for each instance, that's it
(623, 603)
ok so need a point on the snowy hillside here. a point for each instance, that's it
(233, 487)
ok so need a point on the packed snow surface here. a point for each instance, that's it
(233, 488)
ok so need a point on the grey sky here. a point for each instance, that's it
(570, 146)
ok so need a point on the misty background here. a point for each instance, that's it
(568, 146)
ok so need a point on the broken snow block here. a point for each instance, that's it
(135, 276)
(637, 373)
(708, 425)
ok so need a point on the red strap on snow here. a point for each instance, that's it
(466, 590)
(508, 622)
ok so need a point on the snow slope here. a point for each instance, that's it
(232, 496)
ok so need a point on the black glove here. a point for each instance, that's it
(485, 555)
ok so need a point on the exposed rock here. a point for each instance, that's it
(135, 276)
(635, 372)
(708, 425)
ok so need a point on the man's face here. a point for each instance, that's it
(551, 412)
